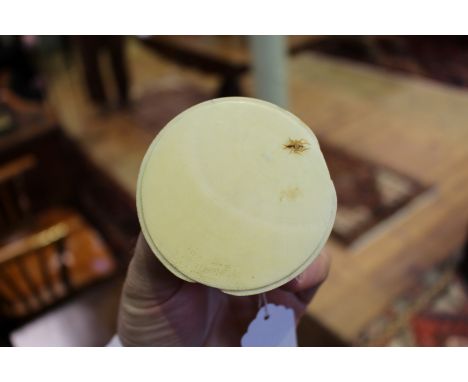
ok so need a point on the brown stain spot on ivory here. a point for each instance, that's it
(291, 194)
(296, 146)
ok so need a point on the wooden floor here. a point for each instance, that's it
(415, 126)
(117, 141)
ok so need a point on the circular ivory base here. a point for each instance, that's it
(234, 193)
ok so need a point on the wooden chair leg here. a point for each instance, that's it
(229, 86)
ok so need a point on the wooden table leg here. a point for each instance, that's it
(229, 86)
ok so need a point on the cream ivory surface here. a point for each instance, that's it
(234, 193)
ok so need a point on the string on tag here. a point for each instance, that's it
(263, 302)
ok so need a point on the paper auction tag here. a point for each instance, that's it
(273, 326)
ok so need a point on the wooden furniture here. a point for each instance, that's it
(59, 159)
(416, 127)
(44, 256)
(44, 263)
(226, 56)
(64, 234)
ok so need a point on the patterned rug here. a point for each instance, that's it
(433, 313)
(368, 194)
(442, 322)
(441, 58)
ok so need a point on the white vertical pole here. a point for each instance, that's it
(269, 61)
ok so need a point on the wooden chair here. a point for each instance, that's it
(27, 282)
(45, 256)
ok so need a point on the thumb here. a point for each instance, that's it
(147, 278)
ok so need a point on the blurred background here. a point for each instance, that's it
(390, 112)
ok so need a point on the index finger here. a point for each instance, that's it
(314, 275)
